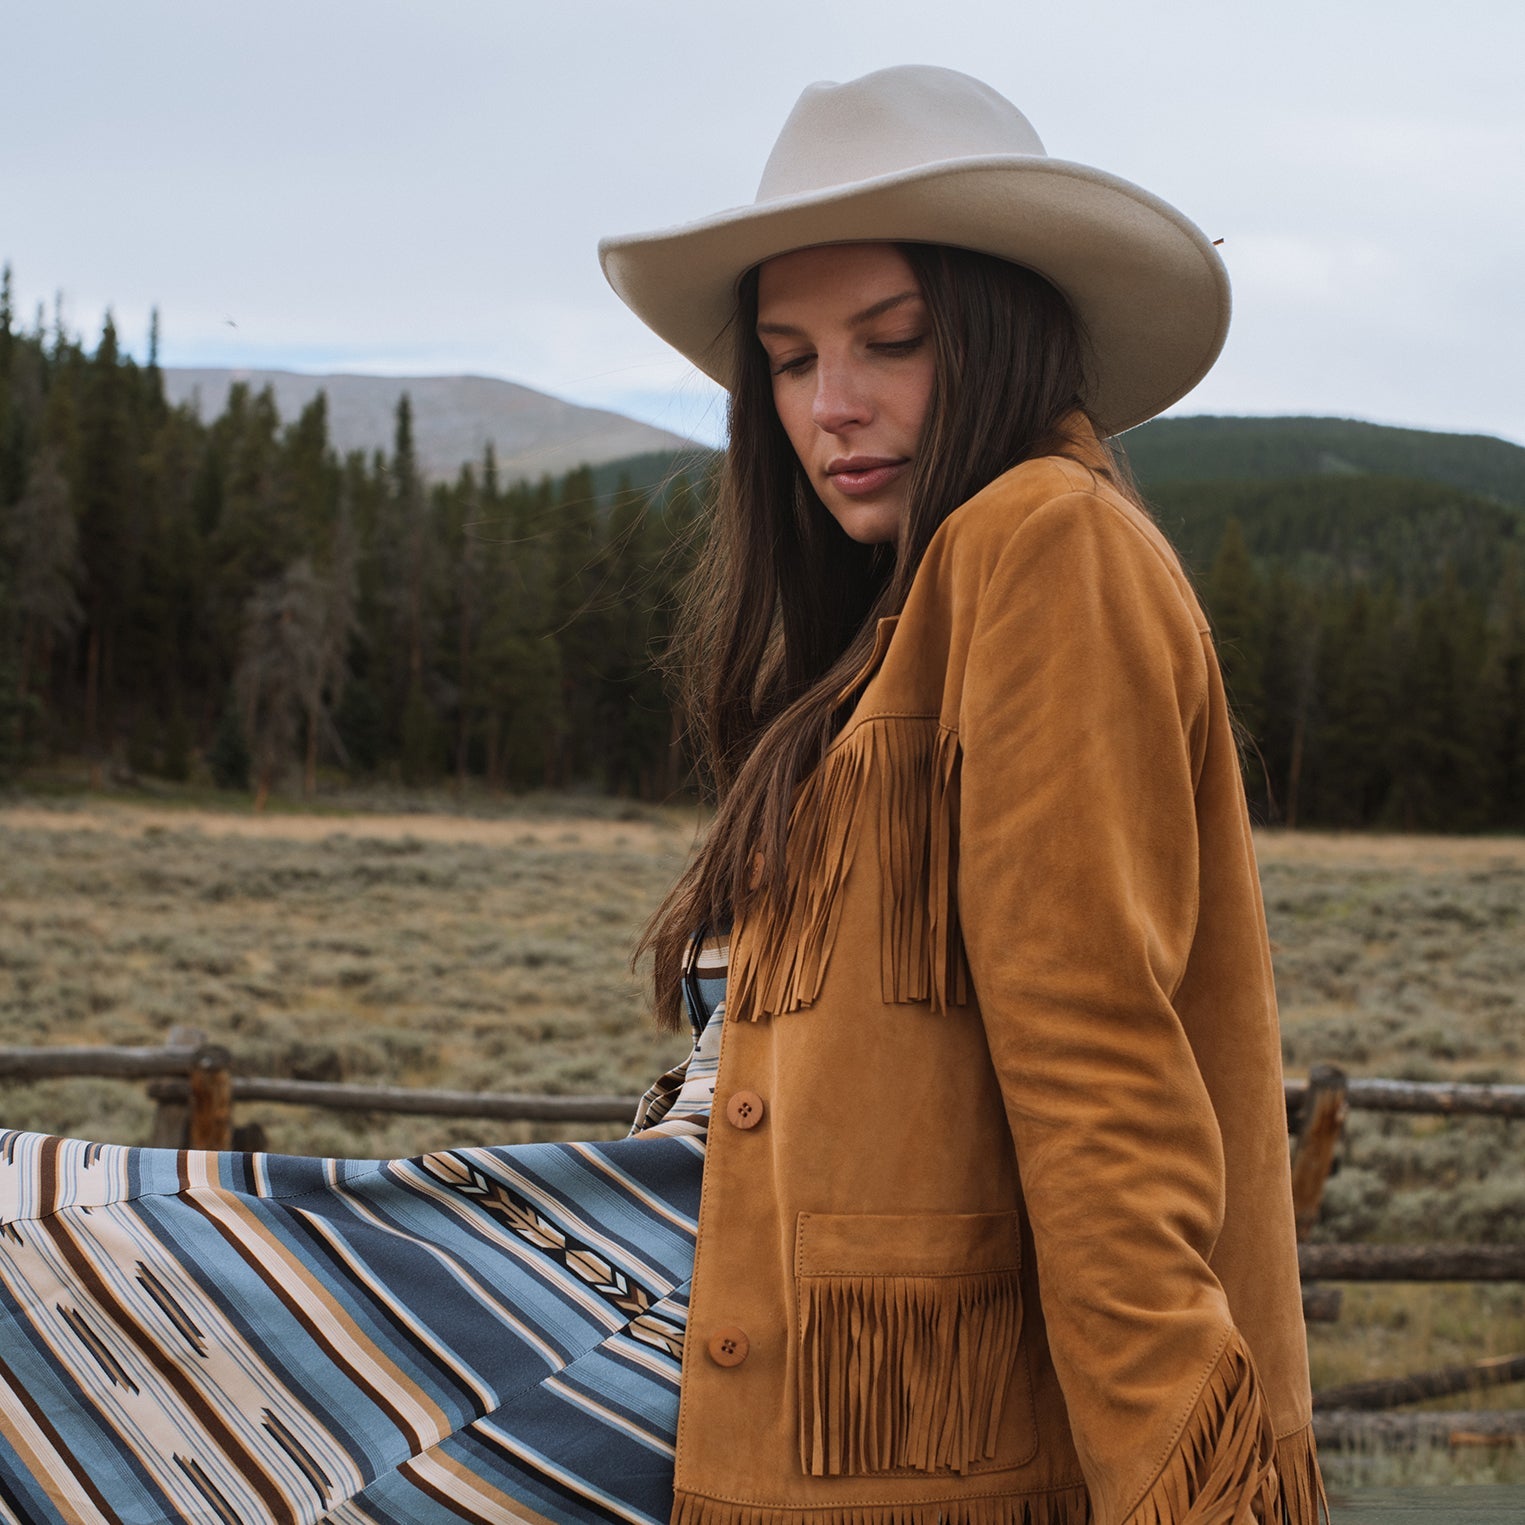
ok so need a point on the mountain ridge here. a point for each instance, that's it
(1226, 447)
(454, 418)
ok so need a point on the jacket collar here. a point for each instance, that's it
(1081, 444)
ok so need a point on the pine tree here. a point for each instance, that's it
(1235, 600)
(1352, 770)
(467, 511)
(1440, 769)
(106, 489)
(1288, 659)
(13, 702)
(7, 320)
(1235, 603)
(154, 404)
(308, 485)
(1503, 698)
(11, 472)
(43, 544)
(518, 672)
(581, 592)
(174, 637)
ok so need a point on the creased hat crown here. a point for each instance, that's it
(918, 154)
(888, 122)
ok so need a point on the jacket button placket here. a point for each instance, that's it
(729, 1346)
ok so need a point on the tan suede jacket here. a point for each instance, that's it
(996, 1222)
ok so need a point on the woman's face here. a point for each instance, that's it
(847, 338)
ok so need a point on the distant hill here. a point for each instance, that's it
(1368, 529)
(454, 418)
(1324, 497)
(646, 473)
(1335, 498)
(1207, 449)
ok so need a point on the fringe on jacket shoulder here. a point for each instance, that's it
(780, 955)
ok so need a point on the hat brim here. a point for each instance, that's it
(1146, 283)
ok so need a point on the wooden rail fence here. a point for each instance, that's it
(196, 1087)
(191, 1072)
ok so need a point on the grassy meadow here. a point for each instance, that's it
(425, 951)
(491, 954)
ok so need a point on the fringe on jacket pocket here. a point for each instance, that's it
(909, 1331)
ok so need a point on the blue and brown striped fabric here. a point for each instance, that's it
(487, 1334)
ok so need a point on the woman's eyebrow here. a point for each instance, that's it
(877, 310)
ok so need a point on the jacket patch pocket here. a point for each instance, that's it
(908, 1328)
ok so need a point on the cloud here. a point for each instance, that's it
(379, 185)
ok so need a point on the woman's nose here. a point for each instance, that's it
(840, 401)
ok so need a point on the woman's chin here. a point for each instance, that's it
(869, 521)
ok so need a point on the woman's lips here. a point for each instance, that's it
(860, 479)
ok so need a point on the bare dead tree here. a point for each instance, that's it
(293, 642)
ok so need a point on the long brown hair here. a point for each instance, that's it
(781, 608)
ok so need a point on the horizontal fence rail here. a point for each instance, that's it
(503, 1106)
(1411, 1262)
(105, 1063)
(1421, 1386)
(1438, 1098)
(1357, 1430)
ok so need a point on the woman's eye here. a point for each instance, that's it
(793, 364)
(900, 346)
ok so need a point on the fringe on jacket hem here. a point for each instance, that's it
(1295, 1495)
(1227, 1467)
(904, 1371)
(1065, 1506)
(916, 761)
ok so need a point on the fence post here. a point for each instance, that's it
(211, 1120)
(1318, 1135)
(171, 1117)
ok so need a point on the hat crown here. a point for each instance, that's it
(889, 122)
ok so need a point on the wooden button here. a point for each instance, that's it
(745, 1109)
(729, 1346)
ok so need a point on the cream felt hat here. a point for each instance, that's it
(918, 154)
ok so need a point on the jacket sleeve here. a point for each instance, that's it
(1081, 717)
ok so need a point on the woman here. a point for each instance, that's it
(995, 1222)
(998, 1225)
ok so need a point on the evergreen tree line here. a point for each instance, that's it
(1368, 703)
(235, 597)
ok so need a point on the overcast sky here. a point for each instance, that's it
(418, 186)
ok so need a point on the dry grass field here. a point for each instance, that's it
(1405, 957)
(418, 950)
(491, 954)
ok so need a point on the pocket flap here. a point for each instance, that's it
(907, 1244)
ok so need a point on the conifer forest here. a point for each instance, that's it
(233, 598)
(233, 603)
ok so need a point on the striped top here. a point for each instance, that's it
(488, 1334)
(684, 1094)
